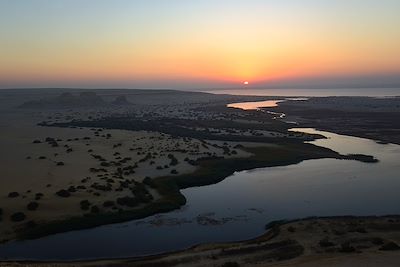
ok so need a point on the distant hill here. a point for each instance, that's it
(67, 100)
(121, 101)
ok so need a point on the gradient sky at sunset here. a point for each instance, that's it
(198, 43)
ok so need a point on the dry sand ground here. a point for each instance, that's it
(25, 173)
(355, 241)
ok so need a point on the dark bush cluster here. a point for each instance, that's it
(141, 193)
(325, 243)
(51, 141)
(148, 181)
(102, 187)
(32, 206)
(72, 189)
(127, 201)
(63, 193)
(85, 180)
(94, 170)
(390, 246)
(129, 170)
(117, 145)
(95, 209)
(85, 204)
(13, 194)
(174, 160)
(108, 204)
(347, 248)
(146, 158)
(18, 217)
(38, 196)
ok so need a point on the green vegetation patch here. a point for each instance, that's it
(210, 170)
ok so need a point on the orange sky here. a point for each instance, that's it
(258, 41)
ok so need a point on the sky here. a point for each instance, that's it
(199, 43)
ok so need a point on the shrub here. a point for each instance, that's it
(347, 248)
(72, 189)
(390, 246)
(63, 193)
(148, 181)
(31, 224)
(13, 195)
(127, 201)
(326, 243)
(60, 163)
(32, 205)
(18, 217)
(95, 209)
(85, 204)
(54, 144)
(108, 203)
(38, 196)
(174, 161)
(105, 164)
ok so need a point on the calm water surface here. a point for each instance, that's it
(255, 105)
(240, 206)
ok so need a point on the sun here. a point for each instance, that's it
(246, 83)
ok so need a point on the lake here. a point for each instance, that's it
(240, 206)
(255, 105)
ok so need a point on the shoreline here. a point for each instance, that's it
(209, 171)
(275, 230)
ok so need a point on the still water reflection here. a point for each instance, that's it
(255, 105)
